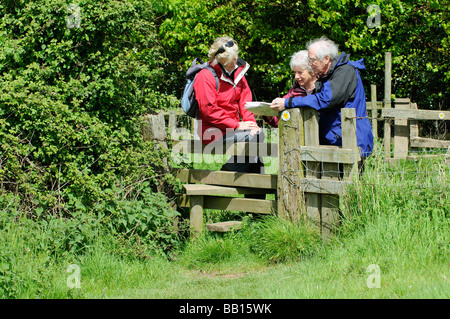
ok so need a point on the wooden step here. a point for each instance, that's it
(202, 189)
(224, 226)
(262, 206)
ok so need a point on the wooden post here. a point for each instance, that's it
(349, 140)
(312, 168)
(153, 127)
(374, 107)
(387, 104)
(413, 128)
(172, 123)
(291, 138)
(196, 214)
(401, 131)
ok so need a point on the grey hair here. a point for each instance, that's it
(300, 60)
(225, 57)
(323, 47)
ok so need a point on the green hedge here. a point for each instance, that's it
(74, 81)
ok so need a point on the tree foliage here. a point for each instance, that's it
(270, 31)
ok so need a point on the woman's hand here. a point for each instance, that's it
(278, 104)
(249, 126)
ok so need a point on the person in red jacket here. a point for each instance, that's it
(304, 83)
(222, 114)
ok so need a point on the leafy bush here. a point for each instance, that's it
(71, 96)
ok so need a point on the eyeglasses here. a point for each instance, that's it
(229, 44)
(312, 60)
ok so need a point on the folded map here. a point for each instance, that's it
(260, 108)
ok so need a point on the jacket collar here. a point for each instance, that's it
(236, 76)
(340, 60)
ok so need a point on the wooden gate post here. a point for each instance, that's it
(387, 104)
(401, 131)
(153, 127)
(312, 168)
(290, 171)
(331, 171)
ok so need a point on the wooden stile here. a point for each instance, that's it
(309, 180)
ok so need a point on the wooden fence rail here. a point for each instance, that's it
(406, 118)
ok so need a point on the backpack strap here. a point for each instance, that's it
(214, 74)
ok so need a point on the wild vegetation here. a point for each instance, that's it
(79, 185)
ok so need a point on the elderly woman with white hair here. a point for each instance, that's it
(222, 113)
(304, 83)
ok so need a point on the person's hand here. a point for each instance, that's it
(254, 131)
(278, 104)
(248, 126)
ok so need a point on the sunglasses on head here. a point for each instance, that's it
(229, 44)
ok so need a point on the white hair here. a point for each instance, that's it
(300, 60)
(323, 47)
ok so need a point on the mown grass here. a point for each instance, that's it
(394, 217)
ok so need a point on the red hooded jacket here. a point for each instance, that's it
(221, 110)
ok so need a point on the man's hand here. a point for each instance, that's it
(278, 104)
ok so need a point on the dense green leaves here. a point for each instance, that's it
(71, 94)
(269, 32)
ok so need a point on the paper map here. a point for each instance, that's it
(260, 108)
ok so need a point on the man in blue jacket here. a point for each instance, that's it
(339, 85)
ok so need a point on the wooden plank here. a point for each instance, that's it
(193, 176)
(224, 226)
(290, 171)
(262, 206)
(324, 186)
(312, 166)
(429, 142)
(201, 189)
(240, 148)
(196, 214)
(415, 114)
(401, 131)
(387, 103)
(329, 203)
(402, 101)
(349, 140)
(153, 127)
(172, 123)
(378, 105)
(332, 173)
(374, 110)
(330, 154)
(413, 124)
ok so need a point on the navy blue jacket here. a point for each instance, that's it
(340, 87)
